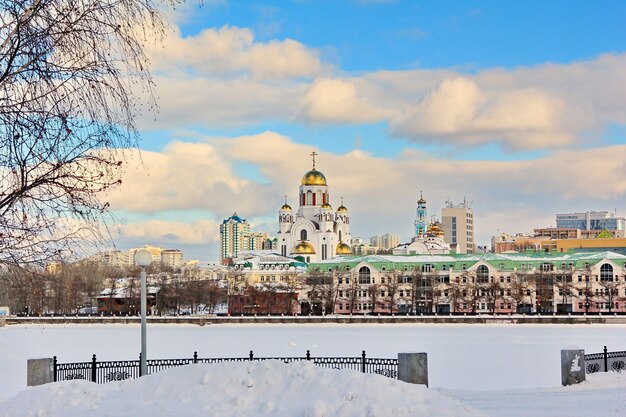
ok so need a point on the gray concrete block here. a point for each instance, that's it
(572, 366)
(413, 367)
(39, 371)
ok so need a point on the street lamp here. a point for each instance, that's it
(143, 258)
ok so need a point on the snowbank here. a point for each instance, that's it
(257, 389)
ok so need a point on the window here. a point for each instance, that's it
(364, 275)
(482, 274)
(303, 234)
(606, 272)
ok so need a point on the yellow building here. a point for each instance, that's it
(606, 243)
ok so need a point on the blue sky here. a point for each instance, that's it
(518, 106)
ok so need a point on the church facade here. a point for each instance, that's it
(315, 232)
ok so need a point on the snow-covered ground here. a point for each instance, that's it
(275, 389)
(258, 389)
(468, 362)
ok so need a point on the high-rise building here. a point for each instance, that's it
(375, 241)
(458, 226)
(234, 237)
(389, 241)
(112, 258)
(590, 220)
(155, 251)
(255, 241)
(172, 258)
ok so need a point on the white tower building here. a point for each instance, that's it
(315, 232)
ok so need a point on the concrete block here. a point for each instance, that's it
(39, 371)
(572, 366)
(413, 367)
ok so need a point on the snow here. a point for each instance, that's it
(602, 395)
(503, 370)
(260, 389)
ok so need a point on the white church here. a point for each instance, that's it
(315, 232)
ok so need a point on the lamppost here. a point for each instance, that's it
(143, 258)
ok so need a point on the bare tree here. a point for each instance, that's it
(392, 286)
(373, 292)
(69, 76)
(470, 289)
(492, 292)
(520, 288)
(609, 292)
(351, 289)
(455, 293)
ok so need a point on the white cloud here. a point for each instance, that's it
(223, 77)
(231, 52)
(186, 176)
(381, 193)
(170, 234)
(336, 101)
(458, 111)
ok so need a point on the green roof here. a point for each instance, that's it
(504, 261)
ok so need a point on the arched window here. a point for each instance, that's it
(303, 235)
(606, 272)
(482, 274)
(364, 275)
(340, 236)
(309, 198)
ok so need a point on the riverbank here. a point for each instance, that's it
(340, 319)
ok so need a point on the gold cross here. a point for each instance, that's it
(313, 154)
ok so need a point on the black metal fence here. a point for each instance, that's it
(605, 361)
(107, 371)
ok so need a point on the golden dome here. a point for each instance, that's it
(435, 229)
(314, 177)
(303, 248)
(327, 206)
(286, 207)
(343, 249)
(342, 208)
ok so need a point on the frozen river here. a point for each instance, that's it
(476, 357)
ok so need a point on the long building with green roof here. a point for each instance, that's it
(534, 282)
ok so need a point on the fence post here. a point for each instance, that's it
(195, 357)
(251, 356)
(139, 365)
(308, 355)
(39, 371)
(606, 361)
(363, 362)
(93, 368)
(413, 367)
(572, 366)
(54, 369)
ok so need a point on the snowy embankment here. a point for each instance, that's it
(602, 395)
(259, 389)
